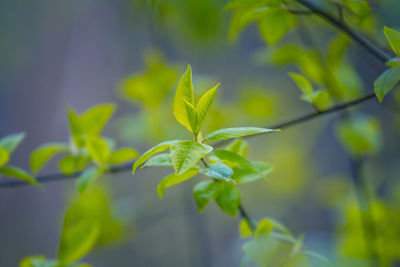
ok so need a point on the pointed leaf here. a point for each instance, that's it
(4, 156)
(243, 176)
(15, 172)
(122, 155)
(302, 83)
(236, 160)
(185, 154)
(192, 118)
(152, 151)
(229, 133)
(69, 164)
(98, 149)
(245, 229)
(205, 191)
(393, 38)
(161, 160)
(184, 92)
(204, 105)
(218, 171)
(95, 119)
(385, 83)
(174, 179)
(11, 142)
(44, 153)
(229, 199)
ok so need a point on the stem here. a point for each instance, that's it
(340, 25)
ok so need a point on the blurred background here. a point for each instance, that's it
(55, 54)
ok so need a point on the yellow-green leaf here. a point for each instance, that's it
(229, 133)
(393, 38)
(205, 191)
(302, 83)
(245, 229)
(229, 199)
(161, 160)
(385, 83)
(274, 25)
(233, 160)
(44, 153)
(174, 179)
(122, 155)
(11, 142)
(98, 149)
(184, 92)
(87, 178)
(15, 172)
(4, 156)
(204, 105)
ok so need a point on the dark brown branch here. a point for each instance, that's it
(340, 25)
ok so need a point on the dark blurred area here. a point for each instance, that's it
(55, 54)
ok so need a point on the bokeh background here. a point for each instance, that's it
(55, 54)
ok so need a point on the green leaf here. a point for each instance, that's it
(44, 153)
(302, 83)
(385, 83)
(15, 172)
(192, 118)
(238, 146)
(218, 171)
(149, 153)
(229, 199)
(204, 105)
(236, 160)
(243, 176)
(184, 92)
(274, 25)
(229, 133)
(122, 155)
(393, 38)
(11, 142)
(69, 164)
(174, 179)
(205, 191)
(245, 229)
(98, 149)
(4, 156)
(394, 62)
(78, 240)
(185, 154)
(88, 177)
(161, 160)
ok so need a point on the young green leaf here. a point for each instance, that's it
(204, 105)
(15, 172)
(88, 177)
(238, 146)
(69, 164)
(393, 38)
(174, 179)
(185, 154)
(302, 83)
(229, 133)
(11, 142)
(95, 119)
(192, 118)
(385, 83)
(229, 199)
(274, 25)
(161, 160)
(218, 171)
(205, 191)
(4, 156)
(122, 155)
(245, 229)
(235, 160)
(44, 153)
(77, 240)
(98, 149)
(243, 176)
(184, 92)
(152, 151)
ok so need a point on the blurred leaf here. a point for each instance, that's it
(122, 155)
(243, 175)
(394, 62)
(44, 153)
(359, 7)
(152, 151)
(4, 156)
(98, 149)
(236, 160)
(218, 171)
(77, 240)
(69, 164)
(360, 135)
(264, 228)
(184, 92)
(174, 179)
(239, 147)
(275, 24)
(15, 172)
(185, 154)
(302, 83)
(393, 38)
(41, 261)
(161, 160)
(229, 133)
(88, 177)
(11, 142)
(385, 83)
(205, 191)
(229, 199)
(245, 229)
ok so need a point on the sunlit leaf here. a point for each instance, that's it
(69, 164)
(229, 133)
(192, 117)
(243, 176)
(18, 173)
(245, 229)
(4, 156)
(385, 83)
(238, 146)
(204, 105)
(11, 142)
(218, 171)
(77, 240)
(161, 160)
(235, 160)
(122, 155)
(275, 24)
(152, 151)
(174, 179)
(185, 154)
(87, 178)
(302, 82)
(98, 149)
(229, 199)
(393, 38)
(205, 191)
(184, 92)
(44, 153)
